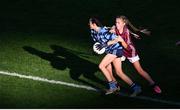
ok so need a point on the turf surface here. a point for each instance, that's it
(50, 39)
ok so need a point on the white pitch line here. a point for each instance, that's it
(36, 78)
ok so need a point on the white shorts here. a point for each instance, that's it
(133, 59)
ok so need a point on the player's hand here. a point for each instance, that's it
(100, 46)
(119, 39)
(112, 30)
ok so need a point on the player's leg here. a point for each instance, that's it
(109, 68)
(144, 74)
(103, 67)
(118, 67)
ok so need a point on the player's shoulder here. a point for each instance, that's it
(104, 29)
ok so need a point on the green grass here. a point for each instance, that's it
(56, 58)
(50, 39)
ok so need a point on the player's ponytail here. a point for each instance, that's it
(134, 29)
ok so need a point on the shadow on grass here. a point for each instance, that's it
(62, 58)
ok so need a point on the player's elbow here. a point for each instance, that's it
(125, 46)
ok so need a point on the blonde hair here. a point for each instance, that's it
(129, 24)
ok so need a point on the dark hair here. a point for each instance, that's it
(96, 21)
(129, 24)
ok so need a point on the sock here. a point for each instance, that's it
(133, 85)
(112, 84)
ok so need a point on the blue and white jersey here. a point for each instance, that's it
(103, 36)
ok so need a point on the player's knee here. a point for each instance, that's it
(101, 66)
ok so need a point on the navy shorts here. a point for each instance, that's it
(117, 52)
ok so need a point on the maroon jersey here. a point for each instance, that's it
(130, 51)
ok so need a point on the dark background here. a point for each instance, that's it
(62, 16)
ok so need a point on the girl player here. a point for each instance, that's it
(129, 51)
(113, 53)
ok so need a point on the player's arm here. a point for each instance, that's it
(121, 40)
(111, 42)
(116, 40)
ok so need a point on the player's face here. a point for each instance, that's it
(91, 25)
(119, 23)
